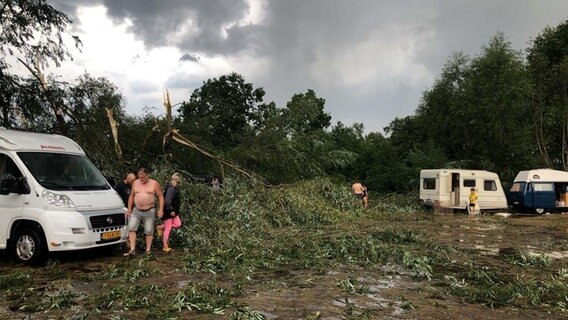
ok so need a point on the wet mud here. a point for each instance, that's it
(339, 291)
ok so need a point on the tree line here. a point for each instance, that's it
(501, 110)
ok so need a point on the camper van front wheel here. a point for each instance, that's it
(29, 247)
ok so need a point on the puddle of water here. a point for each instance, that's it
(382, 303)
(397, 270)
(487, 251)
(502, 214)
(343, 303)
(486, 227)
(553, 254)
(558, 254)
(267, 314)
(182, 283)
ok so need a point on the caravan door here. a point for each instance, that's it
(455, 189)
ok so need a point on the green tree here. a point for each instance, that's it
(442, 115)
(33, 31)
(305, 113)
(497, 92)
(224, 112)
(548, 66)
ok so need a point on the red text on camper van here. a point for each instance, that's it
(52, 147)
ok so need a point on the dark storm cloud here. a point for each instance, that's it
(189, 57)
(299, 32)
(370, 60)
(200, 23)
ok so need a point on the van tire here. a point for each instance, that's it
(539, 210)
(29, 246)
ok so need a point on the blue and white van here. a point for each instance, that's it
(52, 198)
(539, 190)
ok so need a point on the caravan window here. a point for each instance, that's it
(429, 184)
(470, 183)
(543, 187)
(489, 185)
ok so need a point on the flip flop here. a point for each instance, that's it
(129, 254)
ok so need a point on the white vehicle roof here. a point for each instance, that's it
(13, 140)
(545, 175)
(463, 172)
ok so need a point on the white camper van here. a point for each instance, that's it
(451, 188)
(52, 198)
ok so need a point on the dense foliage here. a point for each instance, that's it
(499, 110)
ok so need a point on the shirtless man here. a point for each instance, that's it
(141, 209)
(361, 192)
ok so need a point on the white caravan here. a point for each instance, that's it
(451, 188)
(52, 198)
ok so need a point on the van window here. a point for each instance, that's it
(429, 184)
(7, 165)
(518, 187)
(470, 183)
(543, 187)
(489, 185)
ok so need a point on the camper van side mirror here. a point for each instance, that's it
(7, 183)
(23, 186)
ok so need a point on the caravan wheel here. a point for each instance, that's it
(539, 210)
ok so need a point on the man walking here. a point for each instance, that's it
(360, 191)
(141, 209)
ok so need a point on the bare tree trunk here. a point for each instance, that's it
(114, 130)
(38, 74)
(539, 135)
(564, 94)
(176, 136)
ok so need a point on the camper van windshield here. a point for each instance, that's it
(57, 171)
(518, 187)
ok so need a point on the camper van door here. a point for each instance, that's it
(543, 195)
(11, 203)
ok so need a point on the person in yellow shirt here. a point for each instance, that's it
(472, 202)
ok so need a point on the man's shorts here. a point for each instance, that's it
(147, 217)
(472, 204)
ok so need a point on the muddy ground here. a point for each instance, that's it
(79, 285)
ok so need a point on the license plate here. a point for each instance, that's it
(110, 235)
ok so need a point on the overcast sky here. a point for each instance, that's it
(369, 59)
